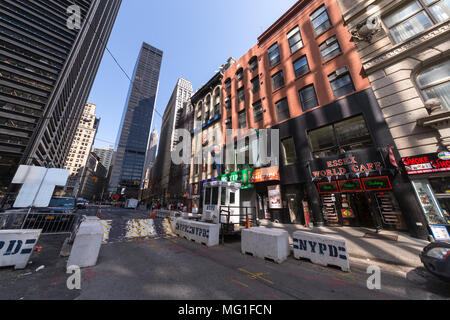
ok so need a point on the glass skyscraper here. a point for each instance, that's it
(137, 118)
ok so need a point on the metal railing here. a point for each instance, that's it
(247, 218)
(49, 223)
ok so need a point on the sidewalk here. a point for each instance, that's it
(405, 251)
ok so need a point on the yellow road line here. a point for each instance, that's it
(255, 276)
(240, 283)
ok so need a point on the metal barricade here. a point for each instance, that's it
(247, 219)
(49, 223)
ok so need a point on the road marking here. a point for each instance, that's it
(106, 225)
(255, 276)
(240, 283)
(140, 228)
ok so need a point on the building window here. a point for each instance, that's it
(253, 64)
(434, 82)
(341, 82)
(320, 20)
(288, 150)
(241, 95)
(255, 84)
(257, 111)
(229, 124)
(240, 75)
(274, 55)
(330, 48)
(228, 103)
(416, 17)
(295, 39)
(308, 97)
(340, 137)
(282, 109)
(228, 84)
(242, 120)
(277, 80)
(301, 66)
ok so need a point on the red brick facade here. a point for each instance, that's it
(298, 15)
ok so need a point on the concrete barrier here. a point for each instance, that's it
(266, 243)
(16, 247)
(321, 249)
(86, 246)
(200, 232)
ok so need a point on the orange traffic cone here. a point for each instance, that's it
(248, 223)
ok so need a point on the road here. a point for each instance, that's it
(170, 268)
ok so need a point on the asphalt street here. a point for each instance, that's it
(170, 268)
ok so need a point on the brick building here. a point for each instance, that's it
(304, 77)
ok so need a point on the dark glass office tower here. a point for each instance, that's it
(46, 73)
(137, 118)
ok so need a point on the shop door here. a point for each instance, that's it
(363, 210)
(294, 208)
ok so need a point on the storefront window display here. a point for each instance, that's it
(431, 207)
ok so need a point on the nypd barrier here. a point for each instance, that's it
(320, 249)
(205, 233)
(266, 243)
(16, 247)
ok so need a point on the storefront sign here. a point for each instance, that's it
(376, 184)
(350, 185)
(243, 177)
(440, 233)
(266, 174)
(328, 187)
(356, 162)
(274, 193)
(428, 163)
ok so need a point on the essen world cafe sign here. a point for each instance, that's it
(367, 161)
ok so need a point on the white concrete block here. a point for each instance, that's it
(321, 249)
(86, 246)
(16, 247)
(266, 243)
(200, 232)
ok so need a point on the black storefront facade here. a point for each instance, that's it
(347, 185)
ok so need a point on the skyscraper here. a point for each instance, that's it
(150, 158)
(48, 62)
(169, 139)
(105, 155)
(137, 118)
(81, 146)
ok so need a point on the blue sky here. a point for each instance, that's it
(197, 36)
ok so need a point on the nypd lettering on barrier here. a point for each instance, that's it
(192, 230)
(321, 249)
(16, 247)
